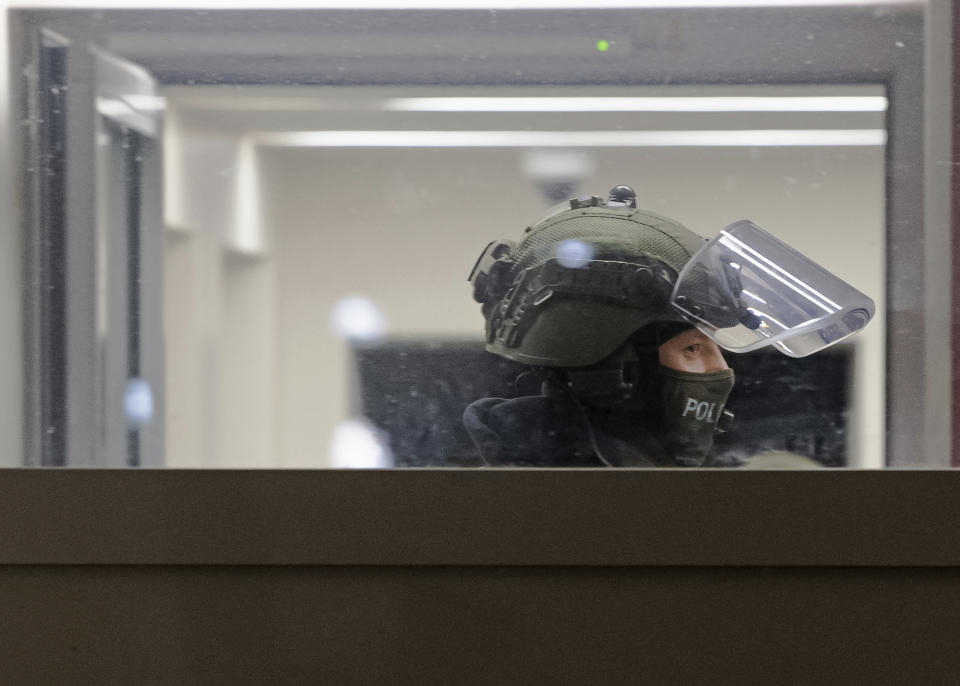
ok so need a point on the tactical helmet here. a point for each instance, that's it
(579, 283)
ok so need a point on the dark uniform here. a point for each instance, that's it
(558, 431)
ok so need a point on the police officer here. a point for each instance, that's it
(621, 315)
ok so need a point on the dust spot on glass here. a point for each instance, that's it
(138, 403)
(356, 444)
(574, 254)
(357, 318)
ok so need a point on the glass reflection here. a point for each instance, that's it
(297, 233)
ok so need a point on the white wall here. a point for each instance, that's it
(219, 306)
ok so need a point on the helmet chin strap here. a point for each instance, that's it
(600, 383)
(625, 382)
(628, 374)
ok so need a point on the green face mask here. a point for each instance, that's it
(692, 406)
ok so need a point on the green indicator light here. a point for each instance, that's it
(603, 45)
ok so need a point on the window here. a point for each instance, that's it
(247, 233)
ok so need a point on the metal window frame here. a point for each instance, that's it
(64, 392)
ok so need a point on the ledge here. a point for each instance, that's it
(480, 517)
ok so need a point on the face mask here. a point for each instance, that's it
(692, 406)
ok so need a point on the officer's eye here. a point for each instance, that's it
(692, 348)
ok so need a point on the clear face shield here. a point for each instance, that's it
(746, 289)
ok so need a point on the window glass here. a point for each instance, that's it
(248, 234)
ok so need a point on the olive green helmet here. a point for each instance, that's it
(580, 282)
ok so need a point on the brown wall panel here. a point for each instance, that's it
(478, 625)
(480, 517)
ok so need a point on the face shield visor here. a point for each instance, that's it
(746, 289)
